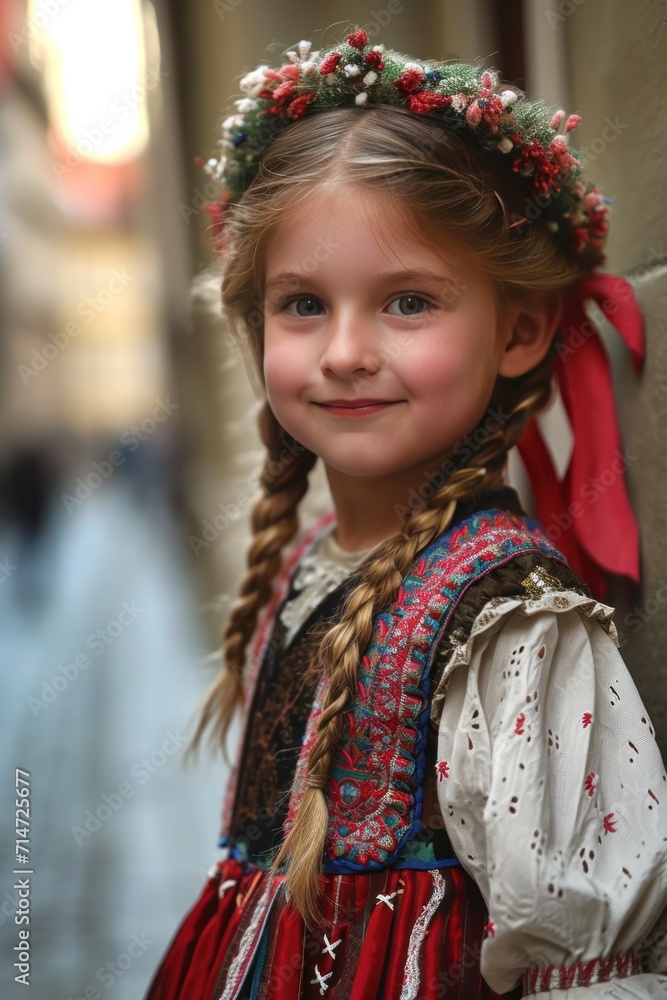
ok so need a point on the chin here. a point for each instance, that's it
(363, 468)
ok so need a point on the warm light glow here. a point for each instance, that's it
(92, 55)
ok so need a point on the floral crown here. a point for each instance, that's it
(498, 116)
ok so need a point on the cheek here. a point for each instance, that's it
(283, 372)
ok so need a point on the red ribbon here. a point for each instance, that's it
(595, 527)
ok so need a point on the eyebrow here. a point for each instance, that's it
(385, 278)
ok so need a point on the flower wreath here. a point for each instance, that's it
(497, 115)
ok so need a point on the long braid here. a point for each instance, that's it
(343, 645)
(274, 523)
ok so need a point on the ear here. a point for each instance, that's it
(531, 328)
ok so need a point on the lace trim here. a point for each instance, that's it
(546, 594)
(411, 976)
(597, 970)
(317, 575)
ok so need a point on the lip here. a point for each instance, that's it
(356, 407)
(363, 401)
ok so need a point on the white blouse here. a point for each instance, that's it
(553, 792)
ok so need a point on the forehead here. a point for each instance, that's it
(354, 227)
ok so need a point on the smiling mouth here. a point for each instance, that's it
(358, 409)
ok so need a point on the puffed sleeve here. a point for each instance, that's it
(553, 792)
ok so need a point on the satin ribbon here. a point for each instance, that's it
(588, 514)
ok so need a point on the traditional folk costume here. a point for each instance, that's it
(497, 820)
(496, 746)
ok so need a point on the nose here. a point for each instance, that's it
(351, 346)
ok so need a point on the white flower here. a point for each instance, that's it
(234, 121)
(304, 48)
(505, 145)
(254, 82)
(414, 65)
(308, 67)
(216, 168)
(245, 104)
(378, 48)
(508, 97)
(292, 56)
(370, 78)
(361, 98)
(351, 70)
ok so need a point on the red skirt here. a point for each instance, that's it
(396, 934)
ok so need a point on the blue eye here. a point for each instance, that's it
(413, 299)
(423, 305)
(299, 301)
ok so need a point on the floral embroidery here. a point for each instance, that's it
(490, 928)
(519, 725)
(608, 823)
(373, 780)
(443, 769)
(586, 719)
(590, 783)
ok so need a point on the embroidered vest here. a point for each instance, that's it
(374, 789)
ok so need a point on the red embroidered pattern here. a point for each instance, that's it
(374, 795)
(597, 970)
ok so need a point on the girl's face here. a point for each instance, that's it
(376, 359)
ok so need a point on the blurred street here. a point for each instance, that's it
(83, 733)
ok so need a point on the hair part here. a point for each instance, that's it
(461, 199)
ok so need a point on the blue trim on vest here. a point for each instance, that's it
(430, 555)
(327, 866)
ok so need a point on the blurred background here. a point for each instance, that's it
(127, 428)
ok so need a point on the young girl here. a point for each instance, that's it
(447, 784)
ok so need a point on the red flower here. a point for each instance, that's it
(518, 727)
(409, 81)
(492, 110)
(473, 114)
(298, 106)
(425, 101)
(578, 239)
(374, 59)
(358, 40)
(586, 719)
(533, 157)
(289, 71)
(330, 63)
(589, 783)
(560, 154)
(443, 769)
(490, 928)
(282, 90)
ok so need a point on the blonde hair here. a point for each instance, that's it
(450, 193)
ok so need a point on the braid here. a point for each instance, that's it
(274, 523)
(344, 644)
